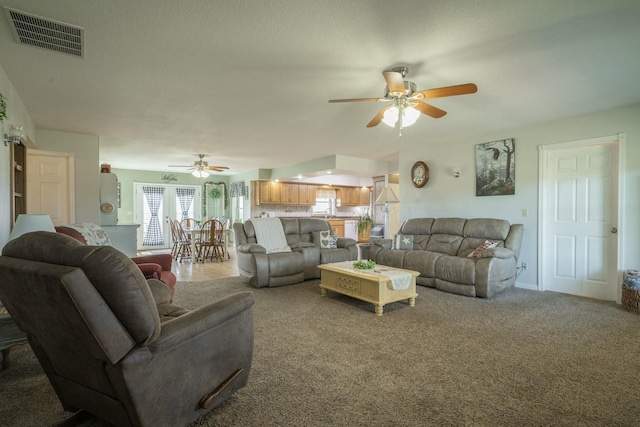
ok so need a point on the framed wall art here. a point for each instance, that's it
(496, 168)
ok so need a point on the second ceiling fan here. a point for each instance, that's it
(406, 102)
(201, 168)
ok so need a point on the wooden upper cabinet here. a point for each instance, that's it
(289, 194)
(365, 196)
(354, 196)
(268, 193)
(307, 194)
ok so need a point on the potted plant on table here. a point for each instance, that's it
(365, 222)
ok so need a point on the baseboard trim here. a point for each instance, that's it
(527, 286)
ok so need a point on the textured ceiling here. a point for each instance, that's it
(247, 82)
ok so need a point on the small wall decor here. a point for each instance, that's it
(496, 168)
(169, 177)
(105, 168)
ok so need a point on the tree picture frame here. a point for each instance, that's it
(496, 168)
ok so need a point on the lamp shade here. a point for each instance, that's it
(27, 223)
(200, 173)
(387, 196)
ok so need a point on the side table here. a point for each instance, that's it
(10, 335)
(363, 251)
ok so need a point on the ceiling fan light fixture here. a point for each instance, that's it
(200, 173)
(409, 116)
(390, 117)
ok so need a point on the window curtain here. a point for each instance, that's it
(237, 189)
(185, 198)
(153, 199)
(326, 193)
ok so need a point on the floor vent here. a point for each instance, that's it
(46, 33)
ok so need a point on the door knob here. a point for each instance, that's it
(614, 230)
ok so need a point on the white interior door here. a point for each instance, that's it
(169, 207)
(580, 199)
(50, 188)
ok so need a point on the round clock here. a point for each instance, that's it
(106, 207)
(419, 174)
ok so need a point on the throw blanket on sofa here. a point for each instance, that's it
(270, 235)
(93, 234)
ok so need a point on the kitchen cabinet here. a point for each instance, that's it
(289, 194)
(365, 196)
(307, 194)
(349, 196)
(354, 196)
(267, 193)
(338, 226)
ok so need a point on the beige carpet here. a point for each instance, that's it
(525, 358)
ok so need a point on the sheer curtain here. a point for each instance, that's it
(153, 198)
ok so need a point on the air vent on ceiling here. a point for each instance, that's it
(46, 33)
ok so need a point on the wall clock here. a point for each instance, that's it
(419, 174)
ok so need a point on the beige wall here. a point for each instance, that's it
(87, 168)
(16, 115)
(445, 195)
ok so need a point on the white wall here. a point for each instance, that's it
(447, 196)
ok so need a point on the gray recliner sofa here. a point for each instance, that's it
(260, 269)
(440, 252)
(112, 343)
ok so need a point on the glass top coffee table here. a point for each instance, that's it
(379, 286)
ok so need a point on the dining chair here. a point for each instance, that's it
(175, 237)
(210, 241)
(184, 243)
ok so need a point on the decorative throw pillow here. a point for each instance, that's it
(325, 239)
(486, 245)
(404, 242)
(333, 241)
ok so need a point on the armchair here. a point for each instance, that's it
(156, 266)
(112, 343)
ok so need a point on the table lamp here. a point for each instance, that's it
(386, 196)
(27, 223)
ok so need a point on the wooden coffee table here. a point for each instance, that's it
(370, 286)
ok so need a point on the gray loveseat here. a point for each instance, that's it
(260, 269)
(440, 249)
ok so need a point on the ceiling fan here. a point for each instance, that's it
(201, 168)
(406, 103)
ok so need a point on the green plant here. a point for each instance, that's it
(215, 193)
(364, 265)
(365, 222)
(3, 108)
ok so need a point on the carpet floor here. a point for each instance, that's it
(524, 358)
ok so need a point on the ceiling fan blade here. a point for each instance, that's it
(378, 118)
(217, 167)
(358, 100)
(441, 92)
(429, 110)
(394, 80)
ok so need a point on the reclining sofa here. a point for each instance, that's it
(260, 269)
(112, 343)
(452, 254)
